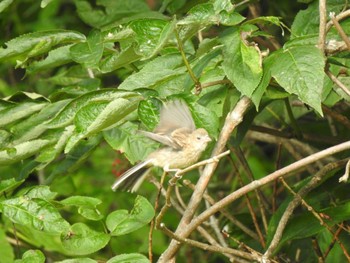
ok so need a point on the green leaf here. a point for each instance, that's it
(106, 12)
(129, 258)
(56, 57)
(96, 116)
(66, 115)
(34, 126)
(32, 256)
(40, 191)
(4, 4)
(90, 52)
(6, 250)
(22, 151)
(300, 71)
(87, 206)
(148, 112)
(19, 111)
(151, 35)
(242, 63)
(121, 222)
(35, 213)
(204, 15)
(33, 44)
(9, 184)
(207, 119)
(155, 72)
(82, 240)
(126, 139)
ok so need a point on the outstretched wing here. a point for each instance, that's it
(175, 115)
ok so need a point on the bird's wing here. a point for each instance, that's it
(174, 115)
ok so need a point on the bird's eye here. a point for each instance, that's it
(198, 138)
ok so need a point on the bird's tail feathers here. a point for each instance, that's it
(131, 176)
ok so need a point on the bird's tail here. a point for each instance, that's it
(128, 179)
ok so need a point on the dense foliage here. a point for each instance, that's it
(80, 78)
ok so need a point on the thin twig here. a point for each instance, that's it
(338, 82)
(340, 30)
(339, 17)
(323, 22)
(345, 177)
(208, 247)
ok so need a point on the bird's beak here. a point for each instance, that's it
(207, 139)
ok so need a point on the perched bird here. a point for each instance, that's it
(183, 143)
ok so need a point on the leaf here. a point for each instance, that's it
(34, 126)
(300, 71)
(19, 111)
(122, 222)
(22, 151)
(32, 256)
(82, 240)
(40, 191)
(106, 12)
(35, 213)
(90, 52)
(56, 57)
(66, 115)
(33, 44)
(51, 152)
(151, 35)
(207, 119)
(241, 63)
(6, 250)
(7, 185)
(94, 117)
(129, 258)
(154, 72)
(87, 206)
(4, 4)
(204, 15)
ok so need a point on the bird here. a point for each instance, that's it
(182, 143)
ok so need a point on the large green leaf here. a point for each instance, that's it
(66, 115)
(37, 43)
(56, 57)
(155, 72)
(300, 70)
(35, 213)
(106, 12)
(242, 63)
(82, 240)
(22, 151)
(121, 222)
(97, 116)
